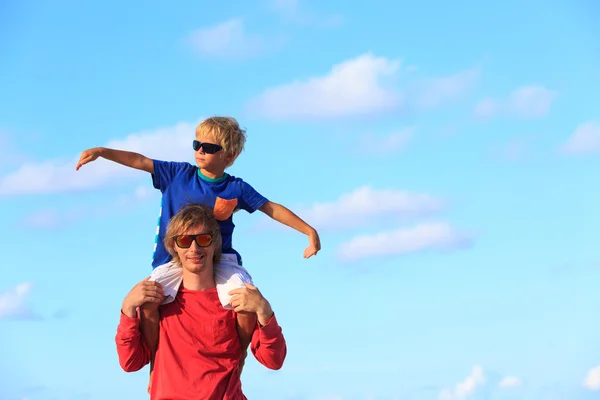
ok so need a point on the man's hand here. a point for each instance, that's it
(142, 293)
(251, 300)
(314, 245)
(88, 156)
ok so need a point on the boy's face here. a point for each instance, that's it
(216, 162)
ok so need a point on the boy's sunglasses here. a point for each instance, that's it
(208, 148)
(185, 241)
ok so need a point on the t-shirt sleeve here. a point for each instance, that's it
(132, 349)
(250, 199)
(268, 345)
(164, 172)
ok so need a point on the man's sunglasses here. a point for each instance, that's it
(185, 241)
(208, 148)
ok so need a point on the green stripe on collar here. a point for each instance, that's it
(207, 179)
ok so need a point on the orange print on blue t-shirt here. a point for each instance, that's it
(224, 208)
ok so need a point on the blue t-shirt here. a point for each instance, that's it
(182, 183)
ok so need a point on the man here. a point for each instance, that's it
(198, 355)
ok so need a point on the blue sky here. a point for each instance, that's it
(447, 152)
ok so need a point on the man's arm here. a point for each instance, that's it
(132, 349)
(283, 215)
(268, 344)
(127, 158)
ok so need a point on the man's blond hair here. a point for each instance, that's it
(188, 217)
(227, 133)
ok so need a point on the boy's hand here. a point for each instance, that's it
(314, 245)
(88, 156)
(144, 292)
(251, 300)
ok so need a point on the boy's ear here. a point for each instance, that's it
(229, 157)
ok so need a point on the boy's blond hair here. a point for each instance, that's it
(227, 133)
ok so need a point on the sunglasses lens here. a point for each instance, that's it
(210, 148)
(184, 241)
(204, 240)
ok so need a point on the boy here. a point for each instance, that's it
(219, 141)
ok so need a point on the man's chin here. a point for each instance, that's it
(194, 267)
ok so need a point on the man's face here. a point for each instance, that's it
(196, 258)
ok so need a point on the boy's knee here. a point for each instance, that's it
(150, 312)
(247, 322)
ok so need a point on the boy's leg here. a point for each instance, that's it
(246, 323)
(150, 326)
(229, 275)
(169, 276)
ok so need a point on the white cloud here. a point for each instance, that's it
(142, 192)
(329, 397)
(45, 219)
(286, 7)
(585, 139)
(55, 176)
(433, 92)
(386, 144)
(354, 209)
(356, 86)
(396, 140)
(9, 154)
(509, 382)
(52, 218)
(293, 11)
(531, 101)
(434, 236)
(13, 302)
(226, 39)
(486, 108)
(511, 150)
(592, 379)
(466, 388)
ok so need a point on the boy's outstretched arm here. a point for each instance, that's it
(285, 216)
(127, 158)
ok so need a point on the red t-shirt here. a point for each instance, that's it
(198, 351)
